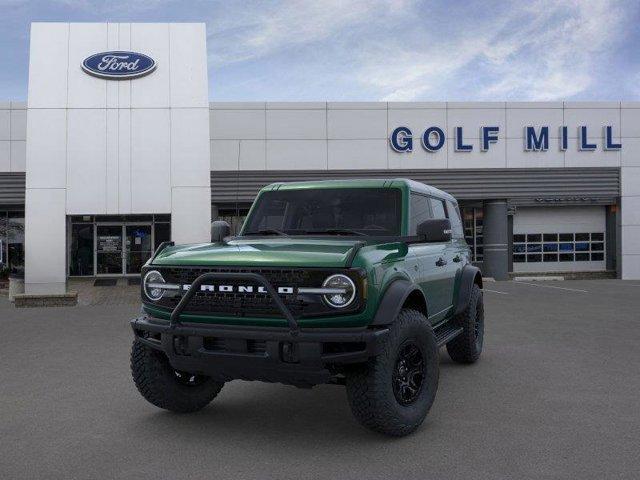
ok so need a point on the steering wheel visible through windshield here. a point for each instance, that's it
(327, 211)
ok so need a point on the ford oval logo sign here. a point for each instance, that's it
(118, 65)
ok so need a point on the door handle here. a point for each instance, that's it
(441, 262)
(457, 258)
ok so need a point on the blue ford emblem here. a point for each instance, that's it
(118, 65)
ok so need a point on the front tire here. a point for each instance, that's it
(393, 392)
(467, 347)
(163, 386)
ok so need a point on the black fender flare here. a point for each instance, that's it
(468, 277)
(393, 299)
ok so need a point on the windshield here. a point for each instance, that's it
(327, 211)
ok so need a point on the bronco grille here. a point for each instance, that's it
(255, 304)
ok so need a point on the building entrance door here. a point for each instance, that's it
(108, 257)
(138, 247)
(122, 249)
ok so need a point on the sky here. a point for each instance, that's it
(377, 50)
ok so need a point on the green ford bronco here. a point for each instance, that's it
(354, 282)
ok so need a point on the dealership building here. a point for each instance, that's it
(118, 148)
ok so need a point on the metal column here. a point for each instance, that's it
(496, 239)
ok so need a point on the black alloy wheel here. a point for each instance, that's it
(408, 374)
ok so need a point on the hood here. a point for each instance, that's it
(263, 252)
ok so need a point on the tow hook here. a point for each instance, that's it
(289, 352)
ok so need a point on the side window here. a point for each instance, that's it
(419, 212)
(437, 206)
(456, 221)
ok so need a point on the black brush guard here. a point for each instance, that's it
(256, 277)
(294, 356)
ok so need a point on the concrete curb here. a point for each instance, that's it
(69, 299)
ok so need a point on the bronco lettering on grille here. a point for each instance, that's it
(239, 289)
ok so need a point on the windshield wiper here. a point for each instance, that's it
(268, 231)
(337, 231)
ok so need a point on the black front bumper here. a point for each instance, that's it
(305, 357)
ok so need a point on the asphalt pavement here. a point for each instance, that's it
(555, 395)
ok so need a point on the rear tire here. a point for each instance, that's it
(163, 386)
(392, 393)
(467, 347)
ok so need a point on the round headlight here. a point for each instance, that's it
(152, 285)
(345, 291)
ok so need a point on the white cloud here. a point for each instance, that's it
(546, 51)
(248, 33)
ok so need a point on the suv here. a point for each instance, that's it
(354, 283)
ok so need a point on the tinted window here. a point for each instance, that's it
(437, 206)
(419, 212)
(371, 211)
(456, 221)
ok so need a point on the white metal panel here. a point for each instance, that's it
(45, 241)
(86, 91)
(18, 156)
(592, 118)
(296, 105)
(517, 157)
(5, 124)
(253, 155)
(471, 119)
(124, 86)
(152, 90)
(191, 215)
(631, 239)
(418, 120)
(124, 161)
(518, 118)
(574, 157)
(630, 154)
(48, 62)
(18, 124)
(630, 211)
(150, 161)
(237, 124)
(113, 43)
(5, 156)
(47, 148)
(112, 161)
(421, 105)
(86, 161)
(296, 124)
(297, 154)
(495, 157)
(224, 154)
(630, 181)
(418, 158)
(357, 154)
(188, 53)
(190, 165)
(630, 122)
(356, 124)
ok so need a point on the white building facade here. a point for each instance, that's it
(95, 172)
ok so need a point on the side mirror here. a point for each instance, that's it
(219, 230)
(435, 230)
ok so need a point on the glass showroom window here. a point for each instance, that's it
(558, 247)
(472, 221)
(234, 217)
(12, 242)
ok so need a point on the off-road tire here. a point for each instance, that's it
(467, 347)
(159, 384)
(370, 388)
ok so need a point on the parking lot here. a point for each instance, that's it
(555, 395)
